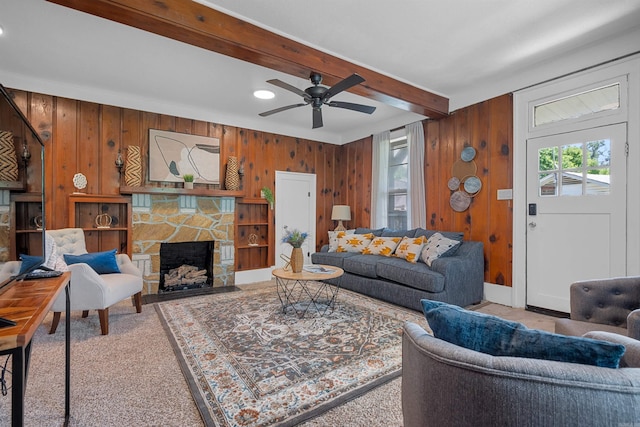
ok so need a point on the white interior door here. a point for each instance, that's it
(295, 208)
(576, 222)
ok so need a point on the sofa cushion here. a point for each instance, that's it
(455, 235)
(363, 265)
(417, 276)
(382, 246)
(335, 259)
(409, 248)
(387, 232)
(376, 232)
(353, 242)
(438, 246)
(498, 337)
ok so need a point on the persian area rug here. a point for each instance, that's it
(249, 364)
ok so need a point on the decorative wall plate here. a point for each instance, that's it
(459, 201)
(461, 169)
(453, 184)
(468, 153)
(79, 181)
(472, 185)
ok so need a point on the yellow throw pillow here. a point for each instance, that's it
(410, 248)
(353, 242)
(333, 239)
(382, 246)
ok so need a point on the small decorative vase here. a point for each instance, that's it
(188, 185)
(297, 260)
(133, 167)
(232, 179)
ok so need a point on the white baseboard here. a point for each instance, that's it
(498, 294)
(252, 276)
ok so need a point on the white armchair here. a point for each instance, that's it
(90, 290)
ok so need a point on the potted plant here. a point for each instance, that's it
(188, 180)
(295, 238)
(267, 194)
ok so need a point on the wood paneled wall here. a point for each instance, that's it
(85, 137)
(487, 127)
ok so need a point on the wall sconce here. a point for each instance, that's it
(341, 213)
(26, 155)
(119, 162)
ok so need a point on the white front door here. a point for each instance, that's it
(576, 222)
(296, 209)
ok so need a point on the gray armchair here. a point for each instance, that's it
(609, 305)
(447, 385)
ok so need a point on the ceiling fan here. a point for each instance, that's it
(317, 96)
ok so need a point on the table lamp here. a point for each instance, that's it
(341, 213)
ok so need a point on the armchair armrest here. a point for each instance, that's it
(633, 324)
(126, 266)
(631, 356)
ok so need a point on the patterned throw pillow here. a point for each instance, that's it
(382, 246)
(410, 248)
(353, 242)
(436, 247)
(333, 239)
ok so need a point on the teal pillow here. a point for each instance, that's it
(28, 262)
(498, 337)
(101, 262)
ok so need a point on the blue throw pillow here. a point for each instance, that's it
(29, 261)
(101, 262)
(498, 337)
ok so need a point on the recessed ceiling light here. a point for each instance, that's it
(264, 94)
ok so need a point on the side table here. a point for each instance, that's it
(295, 292)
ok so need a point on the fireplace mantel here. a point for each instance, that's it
(206, 192)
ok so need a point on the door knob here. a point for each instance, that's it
(532, 225)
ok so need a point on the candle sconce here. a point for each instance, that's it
(119, 162)
(25, 155)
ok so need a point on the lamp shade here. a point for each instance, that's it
(341, 213)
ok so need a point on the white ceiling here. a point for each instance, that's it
(466, 50)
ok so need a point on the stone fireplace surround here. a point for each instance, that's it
(182, 218)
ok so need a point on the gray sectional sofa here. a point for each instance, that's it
(456, 279)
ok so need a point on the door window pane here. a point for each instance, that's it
(548, 184)
(572, 156)
(548, 159)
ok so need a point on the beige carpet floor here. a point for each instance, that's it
(132, 377)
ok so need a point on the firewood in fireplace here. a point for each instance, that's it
(185, 275)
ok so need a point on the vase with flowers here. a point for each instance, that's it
(295, 238)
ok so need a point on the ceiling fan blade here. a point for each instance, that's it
(289, 87)
(317, 118)
(278, 110)
(350, 106)
(343, 85)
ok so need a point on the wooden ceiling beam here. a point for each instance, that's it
(199, 25)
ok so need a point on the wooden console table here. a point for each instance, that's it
(27, 303)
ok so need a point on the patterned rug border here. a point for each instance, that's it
(300, 418)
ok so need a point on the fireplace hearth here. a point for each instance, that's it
(185, 266)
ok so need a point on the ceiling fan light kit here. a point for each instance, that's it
(318, 95)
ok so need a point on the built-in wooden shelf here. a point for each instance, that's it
(12, 185)
(207, 192)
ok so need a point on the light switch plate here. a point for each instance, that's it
(505, 194)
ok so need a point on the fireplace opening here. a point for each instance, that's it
(186, 265)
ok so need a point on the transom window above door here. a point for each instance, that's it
(589, 102)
